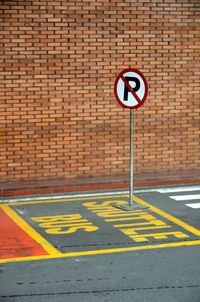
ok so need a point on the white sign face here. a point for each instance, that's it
(131, 88)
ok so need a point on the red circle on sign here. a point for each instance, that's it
(141, 101)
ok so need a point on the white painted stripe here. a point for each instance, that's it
(186, 197)
(179, 189)
(194, 205)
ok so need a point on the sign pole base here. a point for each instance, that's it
(126, 207)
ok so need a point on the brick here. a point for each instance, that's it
(58, 66)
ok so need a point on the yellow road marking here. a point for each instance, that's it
(63, 200)
(152, 228)
(136, 199)
(145, 216)
(30, 231)
(168, 217)
(54, 253)
(108, 251)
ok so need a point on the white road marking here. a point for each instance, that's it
(193, 205)
(186, 197)
(179, 189)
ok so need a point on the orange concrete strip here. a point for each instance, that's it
(15, 242)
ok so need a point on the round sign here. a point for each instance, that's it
(130, 88)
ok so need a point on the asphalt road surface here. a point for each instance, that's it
(81, 248)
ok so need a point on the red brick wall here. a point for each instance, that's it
(59, 60)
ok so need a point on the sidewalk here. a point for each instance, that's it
(100, 183)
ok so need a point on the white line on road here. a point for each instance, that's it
(179, 189)
(186, 197)
(194, 205)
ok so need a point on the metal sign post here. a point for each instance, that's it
(132, 97)
(131, 158)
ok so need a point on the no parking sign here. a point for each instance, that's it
(131, 92)
(131, 88)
